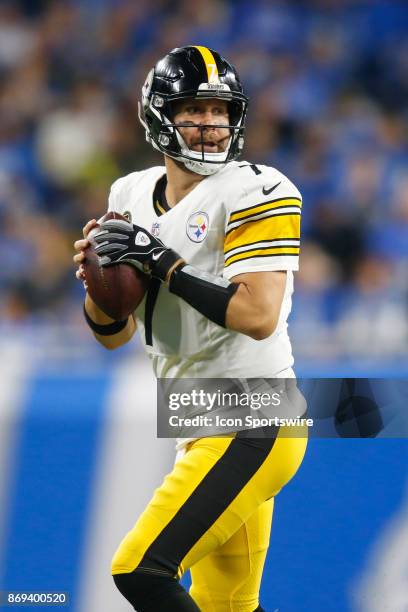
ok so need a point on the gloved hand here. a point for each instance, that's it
(119, 241)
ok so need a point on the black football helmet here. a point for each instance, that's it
(192, 72)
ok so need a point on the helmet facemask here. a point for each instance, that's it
(197, 159)
(163, 133)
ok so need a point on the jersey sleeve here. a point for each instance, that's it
(125, 191)
(114, 204)
(262, 232)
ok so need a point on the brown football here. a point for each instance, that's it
(118, 289)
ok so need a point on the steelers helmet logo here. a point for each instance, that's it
(197, 226)
(147, 87)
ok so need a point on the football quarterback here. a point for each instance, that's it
(219, 239)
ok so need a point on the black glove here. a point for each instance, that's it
(119, 241)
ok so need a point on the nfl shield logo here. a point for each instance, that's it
(155, 229)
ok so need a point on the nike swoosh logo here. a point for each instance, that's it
(156, 256)
(268, 191)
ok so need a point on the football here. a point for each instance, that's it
(118, 289)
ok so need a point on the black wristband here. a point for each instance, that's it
(166, 261)
(105, 330)
(207, 293)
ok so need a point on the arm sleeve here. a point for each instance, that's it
(263, 233)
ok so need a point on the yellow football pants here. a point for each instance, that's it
(213, 514)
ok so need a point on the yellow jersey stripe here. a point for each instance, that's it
(260, 253)
(259, 208)
(258, 219)
(270, 228)
(210, 64)
(244, 212)
(258, 242)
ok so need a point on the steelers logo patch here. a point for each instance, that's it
(197, 226)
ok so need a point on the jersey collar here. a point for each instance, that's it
(160, 203)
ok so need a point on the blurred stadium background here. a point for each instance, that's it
(328, 82)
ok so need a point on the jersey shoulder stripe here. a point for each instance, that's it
(271, 236)
(282, 211)
(263, 248)
(260, 254)
(272, 215)
(274, 241)
(249, 211)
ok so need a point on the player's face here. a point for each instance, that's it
(210, 113)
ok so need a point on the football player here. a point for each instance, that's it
(220, 241)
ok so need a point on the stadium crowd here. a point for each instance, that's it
(328, 84)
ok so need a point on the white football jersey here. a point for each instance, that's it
(245, 218)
